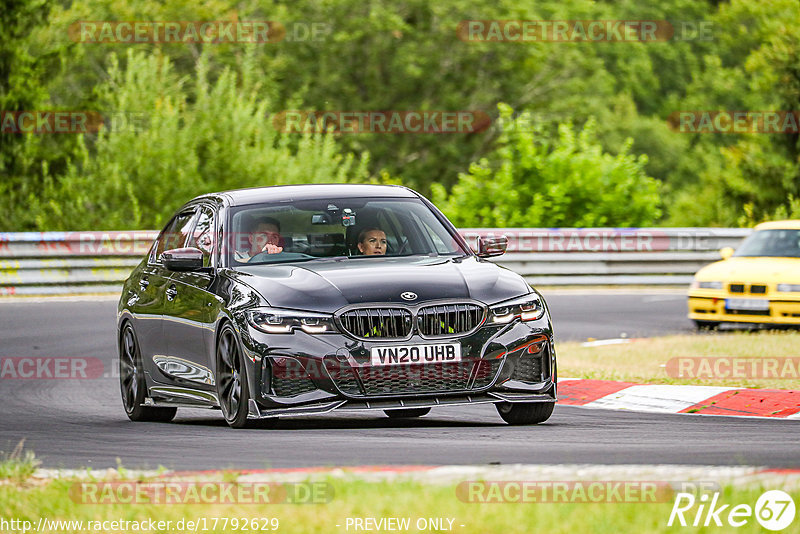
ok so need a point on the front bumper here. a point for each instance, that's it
(301, 374)
(710, 305)
(323, 407)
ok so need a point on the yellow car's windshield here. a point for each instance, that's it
(771, 243)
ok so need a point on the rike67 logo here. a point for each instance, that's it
(774, 510)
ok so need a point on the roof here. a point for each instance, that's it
(779, 225)
(277, 193)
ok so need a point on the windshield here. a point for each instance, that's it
(774, 243)
(305, 230)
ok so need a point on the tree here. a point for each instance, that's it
(530, 181)
(135, 177)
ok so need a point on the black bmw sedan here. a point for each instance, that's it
(299, 300)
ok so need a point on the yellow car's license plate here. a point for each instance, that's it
(747, 304)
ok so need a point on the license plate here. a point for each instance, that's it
(411, 354)
(747, 304)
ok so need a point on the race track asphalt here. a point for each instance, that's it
(80, 423)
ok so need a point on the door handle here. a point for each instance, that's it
(172, 292)
(143, 283)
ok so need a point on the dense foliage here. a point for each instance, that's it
(541, 182)
(597, 146)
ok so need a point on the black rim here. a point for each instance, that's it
(230, 374)
(128, 370)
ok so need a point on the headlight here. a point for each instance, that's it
(706, 285)
(527, 308)
(278, 321)
(789, 288)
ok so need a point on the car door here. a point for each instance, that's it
(147, 304)
(191, 311)
(153, 338)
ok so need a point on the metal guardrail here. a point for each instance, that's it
(40, 263)
(611, 256)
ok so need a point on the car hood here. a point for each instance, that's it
(329, 285)
(752, 270)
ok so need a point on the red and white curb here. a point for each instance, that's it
(698, 400)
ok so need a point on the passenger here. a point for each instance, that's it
(372, 242)
(265, 236)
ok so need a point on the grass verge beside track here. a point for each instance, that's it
(648, 360)
(359, 499)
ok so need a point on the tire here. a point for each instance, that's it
(403, 413)
(232, 386)
(706, 325)
(525, 413)
(132, 385)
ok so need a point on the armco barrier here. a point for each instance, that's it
(89, 262)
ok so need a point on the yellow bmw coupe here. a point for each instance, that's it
(758, 283)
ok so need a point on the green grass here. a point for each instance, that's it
(381, 499)
(18, 465)
(644, 360)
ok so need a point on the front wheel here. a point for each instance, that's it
(525, 413)
(232, 388)
(132, 384)
(406, 412)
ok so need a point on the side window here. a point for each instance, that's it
(175, 233)
(203, 235)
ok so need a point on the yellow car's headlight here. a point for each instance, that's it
(789, 288)
(706, 285)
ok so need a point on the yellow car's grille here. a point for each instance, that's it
(753, 289)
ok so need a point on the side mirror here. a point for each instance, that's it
(492, 246)
(183, 259)
(726, 253)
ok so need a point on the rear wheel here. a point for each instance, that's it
(132, 384)
(525, 413)
(407, 412)
(232, 388)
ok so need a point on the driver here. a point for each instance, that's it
(265, 236)
(372, 242)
